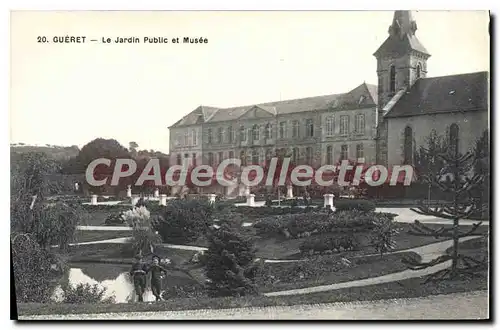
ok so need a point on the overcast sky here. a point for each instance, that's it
(69, 94)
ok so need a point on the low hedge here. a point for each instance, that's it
(363, 205)
(318, 222)
(329, 244)
(260, 212)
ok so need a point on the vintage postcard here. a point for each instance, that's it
(243, 165)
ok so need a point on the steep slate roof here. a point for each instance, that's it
(197, 116)
(345, 100)
(456, 93)
(402, 37)
(395, 46)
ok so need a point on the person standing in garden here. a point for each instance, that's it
(138, 274)
(157, 274)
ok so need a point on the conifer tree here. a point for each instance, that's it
(230, 263)
(458, 179)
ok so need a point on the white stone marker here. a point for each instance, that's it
(211, 198)
(251, 200)
(247, 191)
(289, 192)
(163, 199)
(129, 191)
(157, 193)
(329, 200)
(93, 200)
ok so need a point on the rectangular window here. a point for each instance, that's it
(243, 134)
(221, 157)
(329, 155)
(283, 130)
(209, 135)
(309, 128)
(329, 126)
(295, 129)
(210, 159)
(309, 155)
(230, 134)
(194, 137)
(360, 124)
(194, 159)
(344, 125)
(360, 153)
(344, 152)
(220, 135)
(231, 155)
(179, 159)
(255, 133)
(269, 131)
(186, 138)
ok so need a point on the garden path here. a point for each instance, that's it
(427, 253)
(458, 306)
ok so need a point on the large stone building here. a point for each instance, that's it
(382, 124)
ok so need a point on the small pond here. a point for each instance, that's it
(116, 280)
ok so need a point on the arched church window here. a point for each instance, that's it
(419, 69)
(393, 79)
(408, 145)
(454, 138)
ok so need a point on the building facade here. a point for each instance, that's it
(371, 123)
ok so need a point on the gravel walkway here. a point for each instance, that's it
(470, 305)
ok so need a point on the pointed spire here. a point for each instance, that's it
(402, 24)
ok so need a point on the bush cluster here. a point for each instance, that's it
(363, 205)
(329, 244)
(319, 222)
(35, 269)
(85, 294)
(114, 219)
(259, 212)
(316, 267)
(183, 221)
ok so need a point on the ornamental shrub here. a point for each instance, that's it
(363, 205)
(183, 220)
(230, 265)
(85, 294)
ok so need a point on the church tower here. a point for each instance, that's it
(401, 60)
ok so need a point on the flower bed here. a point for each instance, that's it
(303, 225)
(321, 270)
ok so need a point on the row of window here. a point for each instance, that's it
(188, 138)
(254, 133)
(256, 156)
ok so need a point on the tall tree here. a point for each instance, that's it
(457, 180)
(427, 162)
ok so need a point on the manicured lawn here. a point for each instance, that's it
(96, 235)
(403, 289)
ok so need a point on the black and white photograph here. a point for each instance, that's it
(250, 165)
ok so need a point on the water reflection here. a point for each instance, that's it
(114, 278)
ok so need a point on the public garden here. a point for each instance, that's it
(72, 253)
